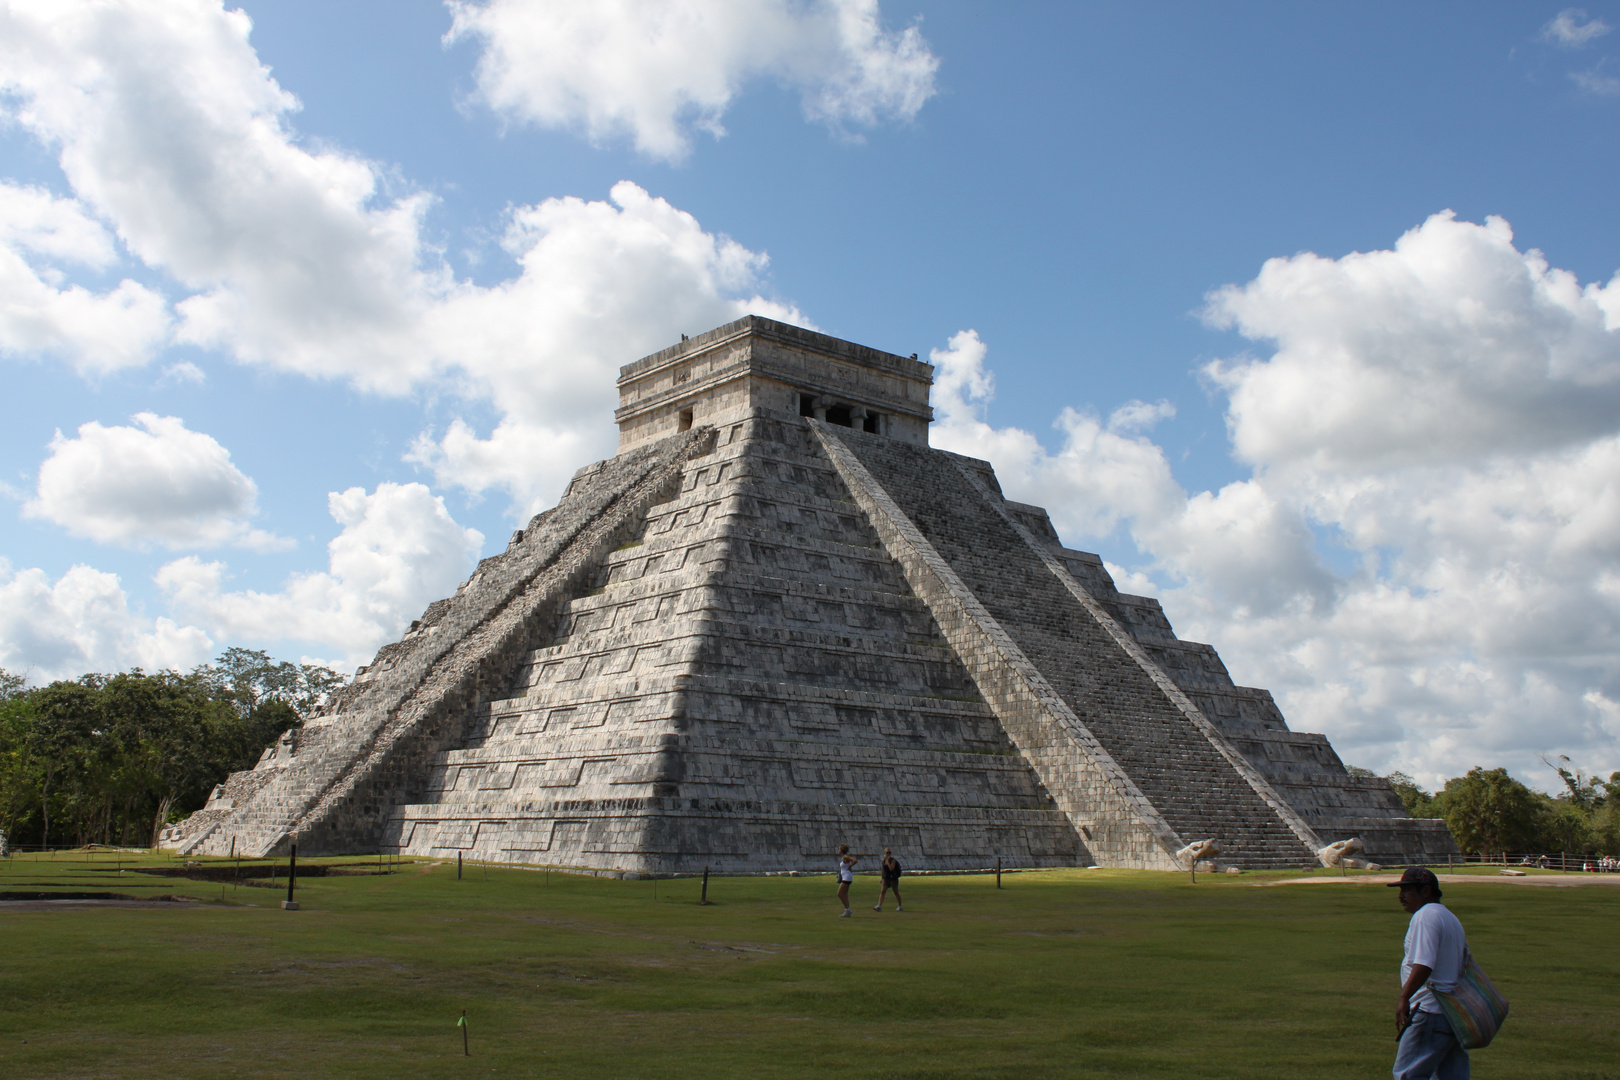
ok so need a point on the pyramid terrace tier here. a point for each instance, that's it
(732, 760)
(687, 836)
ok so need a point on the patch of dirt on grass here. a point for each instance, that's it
(1556, 881)
(715, 947)
(70, 901)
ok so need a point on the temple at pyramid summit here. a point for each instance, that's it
(777, 621)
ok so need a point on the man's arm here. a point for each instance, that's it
(1403, 1010)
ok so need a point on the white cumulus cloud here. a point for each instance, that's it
(1452, 346)
(398, 551)
(1440, 421)
(167, 125)
(157, 483)
(82, 622)
(170, 129)
(654, 69)
(602, 283)
(94, 332)
(1102, 474)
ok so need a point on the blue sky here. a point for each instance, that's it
(1388, 499)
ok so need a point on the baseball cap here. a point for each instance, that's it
(1418, 876)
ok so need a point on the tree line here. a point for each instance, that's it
(1491, 813)
(112, 759)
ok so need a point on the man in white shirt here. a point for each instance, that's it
(1435, 947)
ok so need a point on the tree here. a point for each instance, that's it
(1564, 825)
(1418, 803)
(249, 678)
(167, 729)
(1490, 811)
(58, 741)
(19, 787)
(12, 686)
(263, 726)
(1584, 792)
(118, 755)
(1605, 826)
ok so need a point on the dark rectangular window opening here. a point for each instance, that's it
(839, 414)
(685, 421)
(871, 423)
(807, 405)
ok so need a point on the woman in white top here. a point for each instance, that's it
(846, 874)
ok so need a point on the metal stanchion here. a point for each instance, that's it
(290, 904)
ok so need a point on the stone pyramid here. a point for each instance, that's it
(777, 621)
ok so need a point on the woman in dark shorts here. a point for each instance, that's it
(891, 880)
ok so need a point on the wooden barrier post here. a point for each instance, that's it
(704, 899)
(998, 871)
(458, 866)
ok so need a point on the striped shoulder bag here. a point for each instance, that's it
(1475, 1009)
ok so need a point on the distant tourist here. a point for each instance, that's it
(846, 874)
(1433, 960)
(890, 868)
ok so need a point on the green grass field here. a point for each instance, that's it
(1061, 973)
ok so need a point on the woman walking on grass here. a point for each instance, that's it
(846, 874)
(890, 867)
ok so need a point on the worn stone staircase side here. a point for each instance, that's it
(1120, 824)
(1197, 790)
(350, 815)
(1127, 642)
(334, 781)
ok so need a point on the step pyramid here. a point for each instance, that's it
(775, 622)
